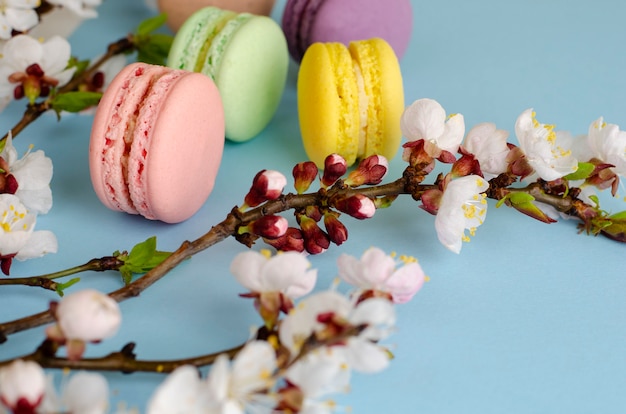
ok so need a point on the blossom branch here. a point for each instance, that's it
(124, 360)
(409, 183)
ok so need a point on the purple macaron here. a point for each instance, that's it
(308, 21)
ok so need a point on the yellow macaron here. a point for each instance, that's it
(350, 100)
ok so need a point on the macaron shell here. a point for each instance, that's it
(328, 103)
(383, 85)
(251, 76)
(185, 150)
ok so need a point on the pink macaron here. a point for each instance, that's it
(309, 21)
(156, 142)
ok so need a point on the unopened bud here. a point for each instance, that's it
(337, 231)
(357, 206)
(84, 316)
(315, 240)
(431, 200)
(292, 240)
(266, 185)
(369, 172)
(304, 173)
(466, 165)
(270, 227)
(334, 168)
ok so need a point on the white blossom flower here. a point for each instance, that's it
(22, 386)
(426, 119)
(181, 392)
(316, 376)
(18, 15)
(83, 8)
(33, 173)
(83, 393)
(288, 273)
(228, 389)
(377, 271)
(84, 316)
(463, 207)
(362, 353)
(489, 146)
(39, 65)
(17, 236)
(608, 144)
(549, 152)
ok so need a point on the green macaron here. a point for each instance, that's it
(246, 56)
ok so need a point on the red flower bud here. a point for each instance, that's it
(466, 165)
(266, 185)
(304, 174)
(334, 168)
(431, 199)
(337, 231)
(315, 240)
(292, 240)
(370, 171)
(269, 227)
(357, 206)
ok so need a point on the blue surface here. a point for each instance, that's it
(529, 318)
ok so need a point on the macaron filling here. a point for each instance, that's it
(209, 64)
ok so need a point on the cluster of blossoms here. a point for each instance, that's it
(24, 193)
(553, 157)
(306, 355)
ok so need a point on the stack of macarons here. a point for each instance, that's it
(245, 54)
(156, 142)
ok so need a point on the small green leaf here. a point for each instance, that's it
(520, 198)
(75, 101)
(154, 48)
(585, 169)
(151, 24)
(595, 199)
(60, 287)
(141, 259)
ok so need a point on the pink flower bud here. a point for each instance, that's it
(304, 174)
(270, 227)
(266, 185)
(334, 168)
(357, 206)
(22, 386)
(337, 231)
(87, 316)
(292, 240)
(370, 171)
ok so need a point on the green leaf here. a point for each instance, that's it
(585, 169)
(154, 48)
(595, 199)
(520, 198)
(141, 259)
(618, 216)
(151, 24)
(60, 287)
(75, 101)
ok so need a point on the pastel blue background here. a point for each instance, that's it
(529, 318)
